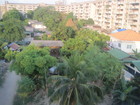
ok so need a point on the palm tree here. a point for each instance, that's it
(74, 91)
(123, 95)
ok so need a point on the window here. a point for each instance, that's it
(132, 65)
(129, 46)
(119, 45)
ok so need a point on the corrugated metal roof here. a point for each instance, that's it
(118, 30)
(118, 53)
(137, 64)
(49, 43)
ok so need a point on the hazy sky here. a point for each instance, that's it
(40, 1)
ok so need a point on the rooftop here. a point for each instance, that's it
(127, 35)
(118, 53)
(14, 46)
(137, 64)
(48, 43)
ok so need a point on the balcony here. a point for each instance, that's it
(135, 2)
(134, 13)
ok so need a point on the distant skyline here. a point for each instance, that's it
(40, 1)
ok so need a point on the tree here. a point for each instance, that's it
(48, 16)
(136, 54)
(83, 39)
(13, 30)
(74, 91)
(90, 22)
(123, 94)
(73, 45)
(2, 51)
(135, 82)
(64, 33)
(10, 55)
(103, 66)
(13, 14)
(83, 22)
(26, 87)
(34, 62)
(30, 14)
(73, 64)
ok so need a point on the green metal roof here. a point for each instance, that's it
(118, 53)
(137, 64)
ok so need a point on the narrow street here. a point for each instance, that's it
(8, 89)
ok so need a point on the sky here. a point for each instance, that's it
(40, 1)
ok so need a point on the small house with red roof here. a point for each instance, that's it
(127, 41)
(14, 47)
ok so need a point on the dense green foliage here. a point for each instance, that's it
(30, 14)
(74, 91)
(123, 93)
(2, 52)
(34, 62)
(26, 86)
(10, 55)
(84, 39)
(86, 71)
(83, 22)
(48, 16)
(13, 14)
(64, 34)
(13, 30)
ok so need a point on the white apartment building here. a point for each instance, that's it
(115, 14)
(127, 41)
(83, 10)
(22, 7)
(109, 14)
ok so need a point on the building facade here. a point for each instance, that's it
(83, 10)
(117, 14)
(21, 7)
(127, 41)
(2, 10)
(109, 14)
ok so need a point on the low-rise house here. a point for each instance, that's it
(53, 44)
(32, 21)
(98, 29)
(132, 64)
(47, 43)
(39, 26)
(29, 29)
(126, 40)
(14, 47)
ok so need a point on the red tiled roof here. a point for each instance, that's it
(128, 35)
(14, 46)
(70, 23)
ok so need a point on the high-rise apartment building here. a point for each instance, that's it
(83, 10)
(2, 10)
(116, 14)
(22, 7)
(109, 14)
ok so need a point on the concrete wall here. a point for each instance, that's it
(123, 45)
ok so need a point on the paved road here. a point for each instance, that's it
(8, 89)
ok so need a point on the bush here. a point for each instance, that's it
(26, 87)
